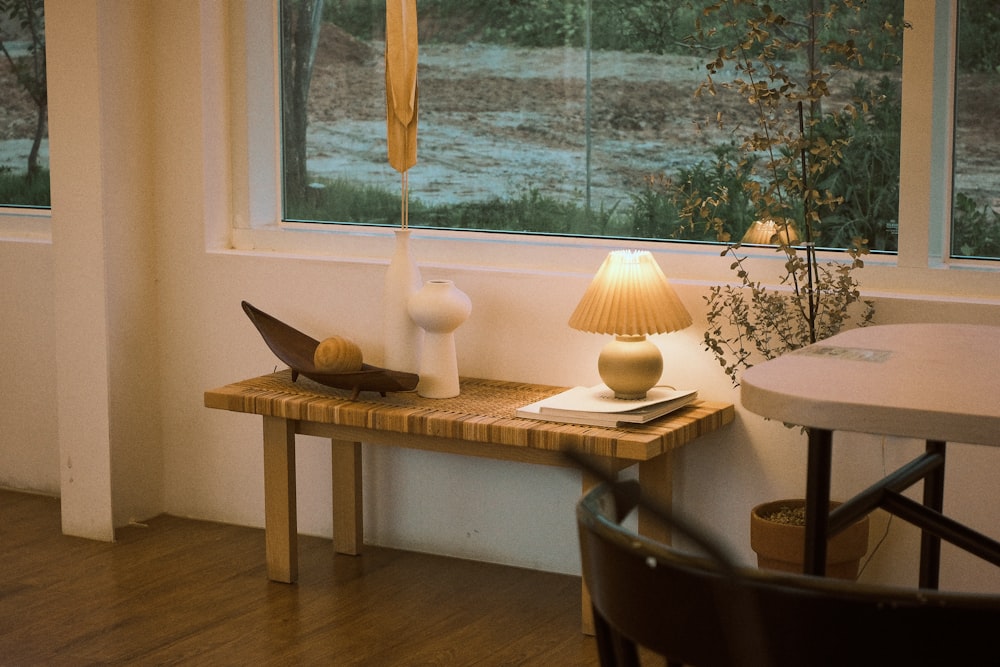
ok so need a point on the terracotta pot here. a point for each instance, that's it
(781, 546)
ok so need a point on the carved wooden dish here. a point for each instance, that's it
(297, 349)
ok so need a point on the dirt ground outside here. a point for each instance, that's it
(496, 121)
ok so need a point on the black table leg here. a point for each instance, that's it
(817, 500)
(930, 544)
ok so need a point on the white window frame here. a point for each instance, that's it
(921, 266)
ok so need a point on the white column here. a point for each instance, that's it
(103, 234)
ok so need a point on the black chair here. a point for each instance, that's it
(702, 611)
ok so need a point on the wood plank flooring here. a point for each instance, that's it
(179, 591)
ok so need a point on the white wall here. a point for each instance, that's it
(29, 443)
(207, 464)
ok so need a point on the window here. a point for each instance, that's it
(24, 175)
(554, 118)
(976, 190)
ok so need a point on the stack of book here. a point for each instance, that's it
(597, 406)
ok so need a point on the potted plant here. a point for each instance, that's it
(790, 152)
(777, 536)
(788, 161)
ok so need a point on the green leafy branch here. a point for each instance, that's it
(749, 321)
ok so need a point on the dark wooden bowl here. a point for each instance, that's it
(297, 349)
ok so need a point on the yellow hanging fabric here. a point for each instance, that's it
(401, 82)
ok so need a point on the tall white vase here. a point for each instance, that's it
(402, 338)
(439, 308)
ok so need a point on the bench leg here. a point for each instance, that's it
(656, 478)
(586, 610)
(280, 523)
(348, 527)
(589, 481)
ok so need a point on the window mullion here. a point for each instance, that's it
(927, 132)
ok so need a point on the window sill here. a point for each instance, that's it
(529, 254)
(20, 225)
(501, 252)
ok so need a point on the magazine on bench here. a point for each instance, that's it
(597, 406)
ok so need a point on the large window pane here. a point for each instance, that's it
(523, 128)
(976, 208)
(24, 174)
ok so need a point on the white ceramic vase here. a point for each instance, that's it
(439, 308)
(402, 338)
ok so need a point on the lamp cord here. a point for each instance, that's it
(888, 524)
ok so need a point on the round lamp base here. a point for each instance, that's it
(630, 366)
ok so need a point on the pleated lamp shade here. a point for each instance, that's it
(630, 298)
(770, 232)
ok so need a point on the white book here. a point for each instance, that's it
(597, 406)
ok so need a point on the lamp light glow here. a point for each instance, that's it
(771, 232)
(630, 298)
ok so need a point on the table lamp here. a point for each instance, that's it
(630, 298)
(770, 232)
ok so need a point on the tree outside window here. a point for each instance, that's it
(24, 174)
(976, 201)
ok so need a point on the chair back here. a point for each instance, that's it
(700, 611)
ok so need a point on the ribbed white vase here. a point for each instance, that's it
(402, 338)
(439, 308)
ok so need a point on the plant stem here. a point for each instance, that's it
(811, 267)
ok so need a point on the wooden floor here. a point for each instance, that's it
(192, 592)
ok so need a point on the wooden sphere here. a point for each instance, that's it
(337, 354)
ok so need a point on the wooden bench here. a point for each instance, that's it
(478, 422)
